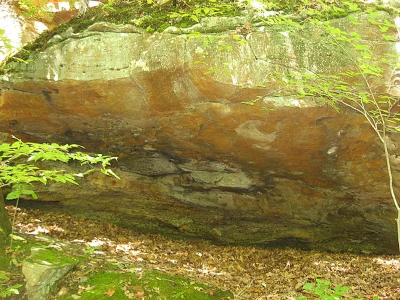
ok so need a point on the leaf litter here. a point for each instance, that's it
(247, 272)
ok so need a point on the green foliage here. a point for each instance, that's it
(353, 88)
(215, 41)
(308, 9)
(326, 10)
(18, 171)
(7, 290)
(5, 47)
(108, 7)
(4, 42)
(148, 284)
(91, 250)
(155, 17)
(360, 94)
(323, 291)
(200, 11)
(34, 9)
(7, 51)
(180, 295)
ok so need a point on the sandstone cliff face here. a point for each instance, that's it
(194, 160)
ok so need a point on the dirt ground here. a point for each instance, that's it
(247, 272)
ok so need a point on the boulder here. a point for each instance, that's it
(43, 269)
(195, 161)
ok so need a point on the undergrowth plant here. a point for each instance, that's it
(321, 290)
(24, 164)
(18, 171)
(7, 290)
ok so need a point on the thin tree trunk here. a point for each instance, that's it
(398, 228)
(5, 225)
(392, 193)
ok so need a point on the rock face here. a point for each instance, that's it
(194, 160)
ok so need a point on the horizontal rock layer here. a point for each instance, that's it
(194, 160)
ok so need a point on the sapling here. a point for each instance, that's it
(355, 88)
(19, 170)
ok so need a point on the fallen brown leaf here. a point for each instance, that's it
(109, 292)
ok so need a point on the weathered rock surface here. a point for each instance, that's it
(194, 160)
(42, 270)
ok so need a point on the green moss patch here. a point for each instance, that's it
(50, 256)
(113, 281)
(152, 17)
(148, 285)
(10, 264)
(21, 249)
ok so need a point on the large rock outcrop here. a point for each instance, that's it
(194, 160)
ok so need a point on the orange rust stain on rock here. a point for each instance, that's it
(160, 96)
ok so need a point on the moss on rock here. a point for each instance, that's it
(153, 17)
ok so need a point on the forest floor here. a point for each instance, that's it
(247, 272)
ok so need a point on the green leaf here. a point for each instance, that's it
(373, 21)
(4, 277)
(14, 289)
(16, 144)
(111, 172)
(237, 37)
(351, 6)
(370, 72)
(354, 20)
(17, 237)
(366, 55)
(390, 24)
(90, 250)
(383, 28)
(30, 193)
(308, 286)
(389, 38)
(361, 47)
(150, 29)
(13, 195)
(4, 147)
(195, 18)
